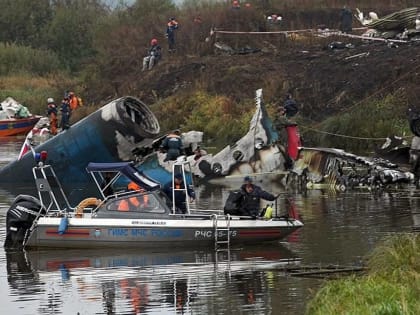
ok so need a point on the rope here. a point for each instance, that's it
(349, 108)
(343, 136)
(262, 33)
(333, 32)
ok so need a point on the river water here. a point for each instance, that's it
(340, 228)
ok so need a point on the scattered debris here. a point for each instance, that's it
(330, 167)
(241, 51)
(365, 54)
(340, 45)
(403, 24)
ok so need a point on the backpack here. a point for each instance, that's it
(233, 203)
(79, 101)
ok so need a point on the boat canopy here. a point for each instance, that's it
(128, 170)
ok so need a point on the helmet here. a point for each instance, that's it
(50, 100)
(153, 41)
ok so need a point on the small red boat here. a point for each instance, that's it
(17, 126)
(15, 119)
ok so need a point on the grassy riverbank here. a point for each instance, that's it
(391, 286)
(351, 99)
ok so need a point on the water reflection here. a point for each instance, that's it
(414, 206)
(340, 228)
(10, 148)
(116, 282)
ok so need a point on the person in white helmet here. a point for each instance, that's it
(153, 55)
(52, 115)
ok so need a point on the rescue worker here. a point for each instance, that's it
(173, 146)
(73, 101)
(346, 19)
(180, 196)
(289, 135)
(281, 121)
(153, 55)
(65, 113)
(290, 106)
(170, 33)
(132, 203)
(199, 153)
(249, 203)
(52, 115)
(236, 5)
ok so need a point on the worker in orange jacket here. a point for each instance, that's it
(134, 202)
(52, 114)
(74, 101)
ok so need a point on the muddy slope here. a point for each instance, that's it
(324, 80)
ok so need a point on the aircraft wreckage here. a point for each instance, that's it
(126, 130)
(403, 24)
(107, 135)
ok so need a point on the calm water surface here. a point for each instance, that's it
(339, 229)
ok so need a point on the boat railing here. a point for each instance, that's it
(209, 211)
(50, 191)
(183, 167)
(211, 214)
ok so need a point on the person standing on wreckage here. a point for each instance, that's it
(172, 145)
(282, 122)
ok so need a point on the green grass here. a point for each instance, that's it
(33, 91)
(392, 285)
(364, 125)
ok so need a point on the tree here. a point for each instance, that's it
(22, 21)
(71, 31)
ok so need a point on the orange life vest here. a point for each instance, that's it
(126, 203)
(134, 186)
(74, 102)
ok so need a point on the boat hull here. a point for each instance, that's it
(17, 126)
(107, 233)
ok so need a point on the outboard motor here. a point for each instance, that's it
(20, 216)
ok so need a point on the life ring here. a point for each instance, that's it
(88, 202)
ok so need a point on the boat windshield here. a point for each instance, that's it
(139, 202)
(164, 198)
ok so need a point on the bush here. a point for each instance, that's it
(364, 126)
(33, 91)
(220, 118)
(15, 59)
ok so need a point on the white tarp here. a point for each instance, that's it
(10, 108)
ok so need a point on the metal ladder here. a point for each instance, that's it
(222, 253)
(217, 241)
(183, 168)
